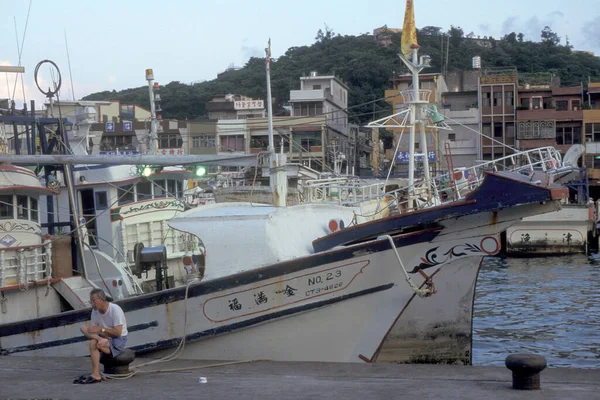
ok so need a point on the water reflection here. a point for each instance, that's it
(549, 306)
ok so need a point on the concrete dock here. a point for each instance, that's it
(51, 378)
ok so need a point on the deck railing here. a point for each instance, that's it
(25, 266)
(441, 189)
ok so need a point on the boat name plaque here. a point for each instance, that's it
(283, 293)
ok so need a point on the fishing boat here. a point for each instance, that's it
(314, 282)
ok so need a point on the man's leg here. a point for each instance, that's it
(94, 339)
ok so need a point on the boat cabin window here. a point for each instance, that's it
(34, 209)
(101, 201)
(144, 190)
(26, 207)
(6, 207)
(171, 188)
(22, 207)
(159, 188)
(125, 194)
(179, 188)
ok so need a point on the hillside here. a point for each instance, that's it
(366, 67)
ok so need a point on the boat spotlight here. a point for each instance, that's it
(200, 170)
(146, 171)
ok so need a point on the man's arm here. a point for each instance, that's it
(111, 332)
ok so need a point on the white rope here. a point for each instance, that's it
(421, 292)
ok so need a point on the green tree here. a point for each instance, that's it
(549, 37)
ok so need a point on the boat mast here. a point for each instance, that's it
(153, 122)
(277, 172)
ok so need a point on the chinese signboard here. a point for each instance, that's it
(498, 79)
(119, 153)
(402, 156)
(249, 104)
(127, 126)
(170, 152)
(110, 127)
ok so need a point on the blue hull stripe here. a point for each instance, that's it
(63, 342)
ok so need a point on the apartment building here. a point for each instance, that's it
(461, 147)
(235, 106)
(549, 116)
(591, 129)
(497, 112)
(328, 96)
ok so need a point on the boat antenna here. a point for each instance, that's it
(20, 53)
(69, 62)
(153, 137)
(277, 172)
(269, 105)
(67, 171)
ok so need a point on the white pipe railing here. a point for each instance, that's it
(26, 266)
(353, 191)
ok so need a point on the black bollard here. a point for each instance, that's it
(526, 370)
(118, 364)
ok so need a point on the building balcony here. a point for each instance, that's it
(469, 116)
(591, 115)
(592, 147)
(549, 114)
(310, 95)
(461, 147)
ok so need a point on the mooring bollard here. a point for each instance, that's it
(118, 364)
(526, 370)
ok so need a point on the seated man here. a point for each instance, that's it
(107, 333)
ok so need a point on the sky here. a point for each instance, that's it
(112, 42)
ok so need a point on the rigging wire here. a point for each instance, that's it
(20, 49)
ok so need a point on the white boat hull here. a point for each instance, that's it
(338, 311)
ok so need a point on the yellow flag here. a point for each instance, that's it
(409, 30)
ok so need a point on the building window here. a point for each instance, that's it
(536, 102)
(592, 132)
(208, 141)
(232, 143)
(510, 99)
(101, 201)
(568, 135)
(485, 99)
(498, 131)
(562, 105)
(577, 139)
(170, 141)
(111, 143)
(497, 99)
(6, 207)
(316, 87)
(127, 112)
(576, 105)
(525, 102)
(452, 137)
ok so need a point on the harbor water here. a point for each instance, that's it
(548, 306)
